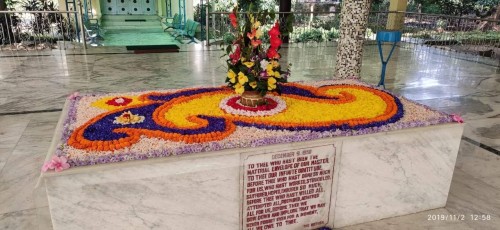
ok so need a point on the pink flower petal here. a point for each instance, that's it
(65, 166)
(46, 166)
(63, 159)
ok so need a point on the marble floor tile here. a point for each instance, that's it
(479, 163)
(20, 173)
(29, 219)
(470, 196)
(422, 220)
(484, 131)
(17, 194)
(11, 129)
(25, 219)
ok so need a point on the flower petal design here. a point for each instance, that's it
(195, 116)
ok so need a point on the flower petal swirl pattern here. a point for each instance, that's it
(195, 116)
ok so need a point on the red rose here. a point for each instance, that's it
(275, 31)
(233, 19)
(275, 42)
(272, 53)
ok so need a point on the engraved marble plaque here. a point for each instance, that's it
(289, 189)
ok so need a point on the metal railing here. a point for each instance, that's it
(465, 34)
(307, 27)
(35, 30)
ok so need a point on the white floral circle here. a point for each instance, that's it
(281, 105)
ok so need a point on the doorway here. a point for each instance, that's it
(129, 7)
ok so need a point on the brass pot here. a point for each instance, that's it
(252, 99)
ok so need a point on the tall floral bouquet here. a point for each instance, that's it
(252, 65)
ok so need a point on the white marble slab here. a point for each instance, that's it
(396, 174)
(376, 176)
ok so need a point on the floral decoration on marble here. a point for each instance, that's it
(57, 163)
(194, 120)
(127, 118)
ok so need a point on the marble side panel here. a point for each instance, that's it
(399, 173)
(187, 194)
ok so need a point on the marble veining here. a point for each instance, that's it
(159, 196)
(391, 175)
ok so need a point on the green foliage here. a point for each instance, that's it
(441, 23)
(326, 23)
(332, 34)
(310, 35)
(228, 38)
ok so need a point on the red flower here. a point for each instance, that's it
(275, 31)
(275, 42)
(255, 43)
(235, 56)
(233, 19)
(119, 101)
(272, 53)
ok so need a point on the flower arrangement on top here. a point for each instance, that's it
(252, 65)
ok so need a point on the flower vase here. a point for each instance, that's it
(252, 99)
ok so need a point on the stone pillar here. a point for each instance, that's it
(396, 20)
(353, 20)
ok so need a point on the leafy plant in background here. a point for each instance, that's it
(310, 35)
(332, 34)
(8, 23)
(41, 25)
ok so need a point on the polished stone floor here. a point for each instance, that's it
(34, 85)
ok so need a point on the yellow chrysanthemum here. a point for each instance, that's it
(238, 88)
(271, 83)
(269, 69)
(248, 64)
(242, 78)
(253, 84)
(277, 74)
(232, 76)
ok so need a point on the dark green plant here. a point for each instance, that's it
(8, 22)
(43, 22)
(228, 38)
(312, 35)
(332, 34)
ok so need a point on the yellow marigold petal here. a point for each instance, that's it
(249, 64)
